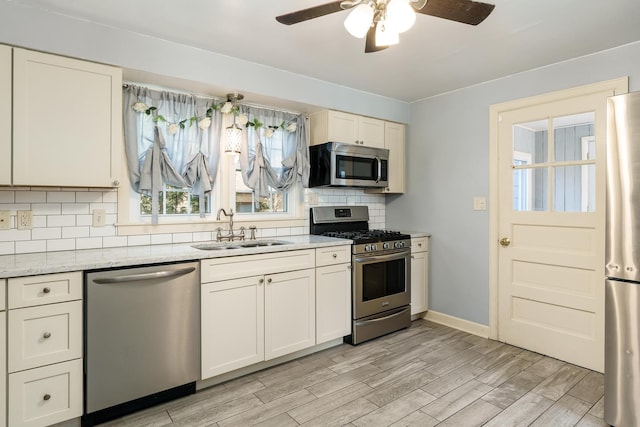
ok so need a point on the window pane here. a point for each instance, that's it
(531, 138)
(574, 188)
(530, 189)
(568, 132)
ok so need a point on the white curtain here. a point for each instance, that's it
(174, 141)
(274, 153)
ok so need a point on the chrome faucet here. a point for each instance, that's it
(230, 236)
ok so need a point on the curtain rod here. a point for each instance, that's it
(155, 87)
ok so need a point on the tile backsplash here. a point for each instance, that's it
(62, 219)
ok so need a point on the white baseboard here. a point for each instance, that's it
(457, 323)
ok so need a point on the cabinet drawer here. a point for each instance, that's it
(419, 244)
(44, 335)
(253, 265)
(46, 289)
(47, 395)
(333, 255)
(3, 293)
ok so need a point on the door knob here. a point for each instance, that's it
(505, 241)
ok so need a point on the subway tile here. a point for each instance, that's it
(160, 239)
(46, 233)
(61, 197)
(107, 230)
(61, 220)
(114, 241)
(61, 245)
(110, 196)
(46, 208)
(13, 207)
(83, 219)
(7, 196)
(31, 246)
(75, 208)
(39, 221)
(7, 248)
(31, 196)
(203, 236)
(14, 235)
(140, 240)
(89, 243)
(88, 197)
(182, 237)
(110, 208)
(75, 232)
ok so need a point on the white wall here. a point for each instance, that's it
(448, 164)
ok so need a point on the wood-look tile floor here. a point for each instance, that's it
(427, 375)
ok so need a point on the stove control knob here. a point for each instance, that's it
(367, 248)
(374, 247)
(399, 245)
(385, 246)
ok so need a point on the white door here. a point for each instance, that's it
(550, 232)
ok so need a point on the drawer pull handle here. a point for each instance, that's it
(46, 335)
(335, 255)
(46, 397)
(46, 290)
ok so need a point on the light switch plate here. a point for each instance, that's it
(5, 220)
(99, 217)
(24, 220)
(479, 203)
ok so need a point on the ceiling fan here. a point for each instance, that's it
(382, 20)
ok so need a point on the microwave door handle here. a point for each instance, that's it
(379, 169)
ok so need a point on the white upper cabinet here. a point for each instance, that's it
(336, 126)
(67, 121)
(5, 115)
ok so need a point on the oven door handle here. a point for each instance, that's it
(381, 319)
(404, 253)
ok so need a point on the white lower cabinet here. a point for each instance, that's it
(46, 395)
(289, 315)
(247, 317)
(44, 349)
(3, 364)
(419, 275)
(333, 302)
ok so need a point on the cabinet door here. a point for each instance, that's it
(394, 141)
(3, 368)
(67, 121)
(342, 127)
(232, 327)
(333, 302)
(419, 291)
(5, 115)
(289, 312)
(371, 132)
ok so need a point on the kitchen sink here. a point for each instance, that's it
(218, 246)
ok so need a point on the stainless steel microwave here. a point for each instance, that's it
(336, 164)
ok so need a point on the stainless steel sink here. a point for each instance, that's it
(218, 246)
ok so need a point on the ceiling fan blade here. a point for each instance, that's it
(370, 43)
(465, 11)
(309, 13)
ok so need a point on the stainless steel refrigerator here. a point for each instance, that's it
(622, 285)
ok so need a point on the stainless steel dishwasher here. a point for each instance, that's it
(142, 338)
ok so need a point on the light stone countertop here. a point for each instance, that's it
(415, 234)
(93, 259)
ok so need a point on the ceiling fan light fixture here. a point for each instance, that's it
(385, 36)
(400, 16)
(359, 20)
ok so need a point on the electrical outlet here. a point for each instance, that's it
(5, 220)
(479, 204)
(24, 220)
(99, 217)
(313, 198)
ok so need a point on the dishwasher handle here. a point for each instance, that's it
(163, 274)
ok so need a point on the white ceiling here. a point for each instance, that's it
(433, 57)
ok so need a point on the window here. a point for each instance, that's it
(175, 201)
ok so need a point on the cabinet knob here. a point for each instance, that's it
(46, 397)
(420, 244)
(335, 255)
(413, 257)
(46, 290)
(269, 281)
(46, 335)
(261, 281)
(349, 267)
(115, 182)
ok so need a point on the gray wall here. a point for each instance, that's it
(448, 164)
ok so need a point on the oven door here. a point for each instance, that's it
(381, 282)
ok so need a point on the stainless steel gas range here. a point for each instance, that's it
(381, 270)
